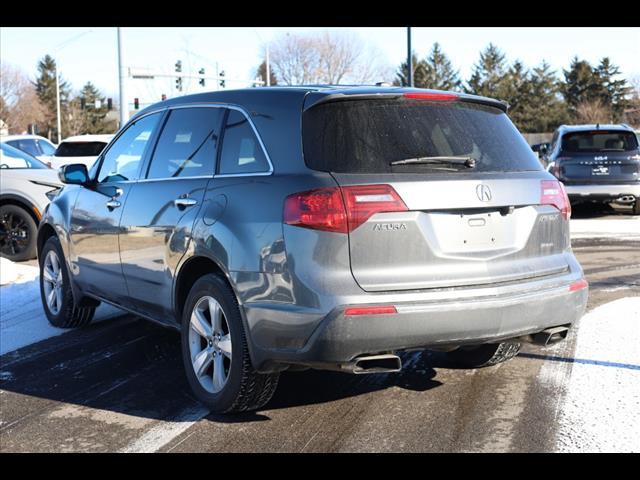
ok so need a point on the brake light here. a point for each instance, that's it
(439, 97)
(340, 209)
(578, 285)
(382, 310)
(552, 192)
(319, 209)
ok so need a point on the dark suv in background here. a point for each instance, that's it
(323, 227)
(597, 163)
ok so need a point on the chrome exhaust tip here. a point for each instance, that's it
(550, 336)
(386, 363)
(626, 199)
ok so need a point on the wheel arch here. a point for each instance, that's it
(188, 273)
(23, 203)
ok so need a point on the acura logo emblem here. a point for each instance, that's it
(483, 192)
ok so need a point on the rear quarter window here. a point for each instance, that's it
(365, 136)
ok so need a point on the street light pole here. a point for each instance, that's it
(58, 121)
(268, 70)
(409, 58)
(124, 106)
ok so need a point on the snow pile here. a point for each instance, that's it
(11, 272)
(621, 228)
(601, 409)
(22, 318)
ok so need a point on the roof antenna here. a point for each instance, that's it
(597, 126)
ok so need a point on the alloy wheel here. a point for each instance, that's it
(210, 344)
(52, 282)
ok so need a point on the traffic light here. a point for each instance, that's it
(136, 103)
(179, 79)
(222, 82)
(109, 104)
(83, 103)
(201, 72)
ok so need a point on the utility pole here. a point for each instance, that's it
(409, 58)
(268, 69)
(124, 106)
(58, 122)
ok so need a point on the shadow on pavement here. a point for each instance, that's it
(132, 366)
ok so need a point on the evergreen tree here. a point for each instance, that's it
(262, 73)
(46, 89)
(419, 73)
(489, 74)
(95, 121)
(614, 93)
(580, 85)
(549, 110)
(439, 73)
(515, 89)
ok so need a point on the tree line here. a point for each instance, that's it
(539, 99)
(30, 106)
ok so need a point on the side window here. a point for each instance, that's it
(187, 144)
(241, 150)
(46, 147)
(122, 161)
(26, 145)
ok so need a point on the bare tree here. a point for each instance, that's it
(20, 106)
(329, 57)
(594, 111)
(76, 120)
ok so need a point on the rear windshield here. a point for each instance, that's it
(80, 149)
(366, 136)
(599, 141)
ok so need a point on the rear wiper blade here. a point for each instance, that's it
(468, 162)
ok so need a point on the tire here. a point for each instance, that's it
(237, 387)
(485, 355)
(64, 312)
(18, 231)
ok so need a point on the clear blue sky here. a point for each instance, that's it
(93, 56)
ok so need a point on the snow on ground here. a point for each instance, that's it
(600, 411)
(627, 227)
(22, 319)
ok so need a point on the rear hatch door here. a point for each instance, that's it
(459, 225)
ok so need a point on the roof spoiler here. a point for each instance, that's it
(342, 97)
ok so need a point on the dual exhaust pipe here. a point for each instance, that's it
(389, 363)
(626, 199)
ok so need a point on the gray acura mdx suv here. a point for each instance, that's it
(323, 227)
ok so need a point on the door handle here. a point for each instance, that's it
(112, 204)
(184, 202)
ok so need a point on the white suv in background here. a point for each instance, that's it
(34, 145)
(79, 149)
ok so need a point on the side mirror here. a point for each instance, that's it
(74, 174)
(544, 148)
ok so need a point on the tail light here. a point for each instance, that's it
(340, 209)
(552, 192)
(438, 97)
(578, 285)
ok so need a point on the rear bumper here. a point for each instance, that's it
(339, 338)
(602, 191)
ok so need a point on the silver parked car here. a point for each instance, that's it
(26, 186)
(323, 227)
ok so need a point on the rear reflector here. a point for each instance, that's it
(340, 209)
(385, 310)
(438, 97)
(579, 285)
(552, 192)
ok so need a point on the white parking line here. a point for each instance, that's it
(160, 435)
